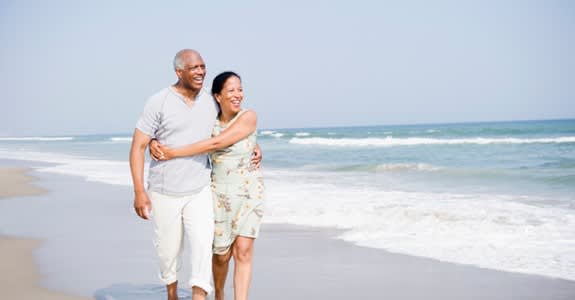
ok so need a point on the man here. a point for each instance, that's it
(180, 199)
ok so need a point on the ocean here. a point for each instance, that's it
(498, 195)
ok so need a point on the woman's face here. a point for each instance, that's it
(231, 96)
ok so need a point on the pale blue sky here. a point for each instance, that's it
(74, 67)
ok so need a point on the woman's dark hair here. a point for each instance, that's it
(220, 80)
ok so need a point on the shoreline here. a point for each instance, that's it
(20, 274)
(322, 267)
(16, 182)
(290, 261)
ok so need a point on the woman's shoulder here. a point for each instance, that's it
(248, 115)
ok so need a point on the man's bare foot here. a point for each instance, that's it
(198, 293)
(172, 290)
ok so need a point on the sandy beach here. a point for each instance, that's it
(15, 182)
(20, 277)
(94, 246)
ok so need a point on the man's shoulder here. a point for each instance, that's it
(161, 94)
(158, 97)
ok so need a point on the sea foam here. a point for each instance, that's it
(95, 170)
(121, 139)
(302, 134)
(266, 132)
(382, 168)
(503, 232)
(393, 167)
(36, 139)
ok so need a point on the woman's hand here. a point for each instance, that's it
(165, 152)
(160, 152)
(155, 150)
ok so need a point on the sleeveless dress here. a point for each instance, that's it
(238, 191)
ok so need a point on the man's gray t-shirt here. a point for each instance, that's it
(174, 123)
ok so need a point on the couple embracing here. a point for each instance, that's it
(204, 182)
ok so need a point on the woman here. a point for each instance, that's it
(237, 184)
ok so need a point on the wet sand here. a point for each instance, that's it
(19, 274)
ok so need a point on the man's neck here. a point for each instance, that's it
(188, 93)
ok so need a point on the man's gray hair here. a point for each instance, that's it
(178, 59)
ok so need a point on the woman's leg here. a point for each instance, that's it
(243, 249)
(220, 264)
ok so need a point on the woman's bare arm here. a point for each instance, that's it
(241, 128)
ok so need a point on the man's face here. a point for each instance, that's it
(194, 71)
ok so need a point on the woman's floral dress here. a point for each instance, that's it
(238, 191)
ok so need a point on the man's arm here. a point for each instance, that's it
(142, 203)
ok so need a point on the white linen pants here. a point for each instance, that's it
(192, 215)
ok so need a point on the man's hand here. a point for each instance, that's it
(257, 156)
(142, 205)
(156, 150)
